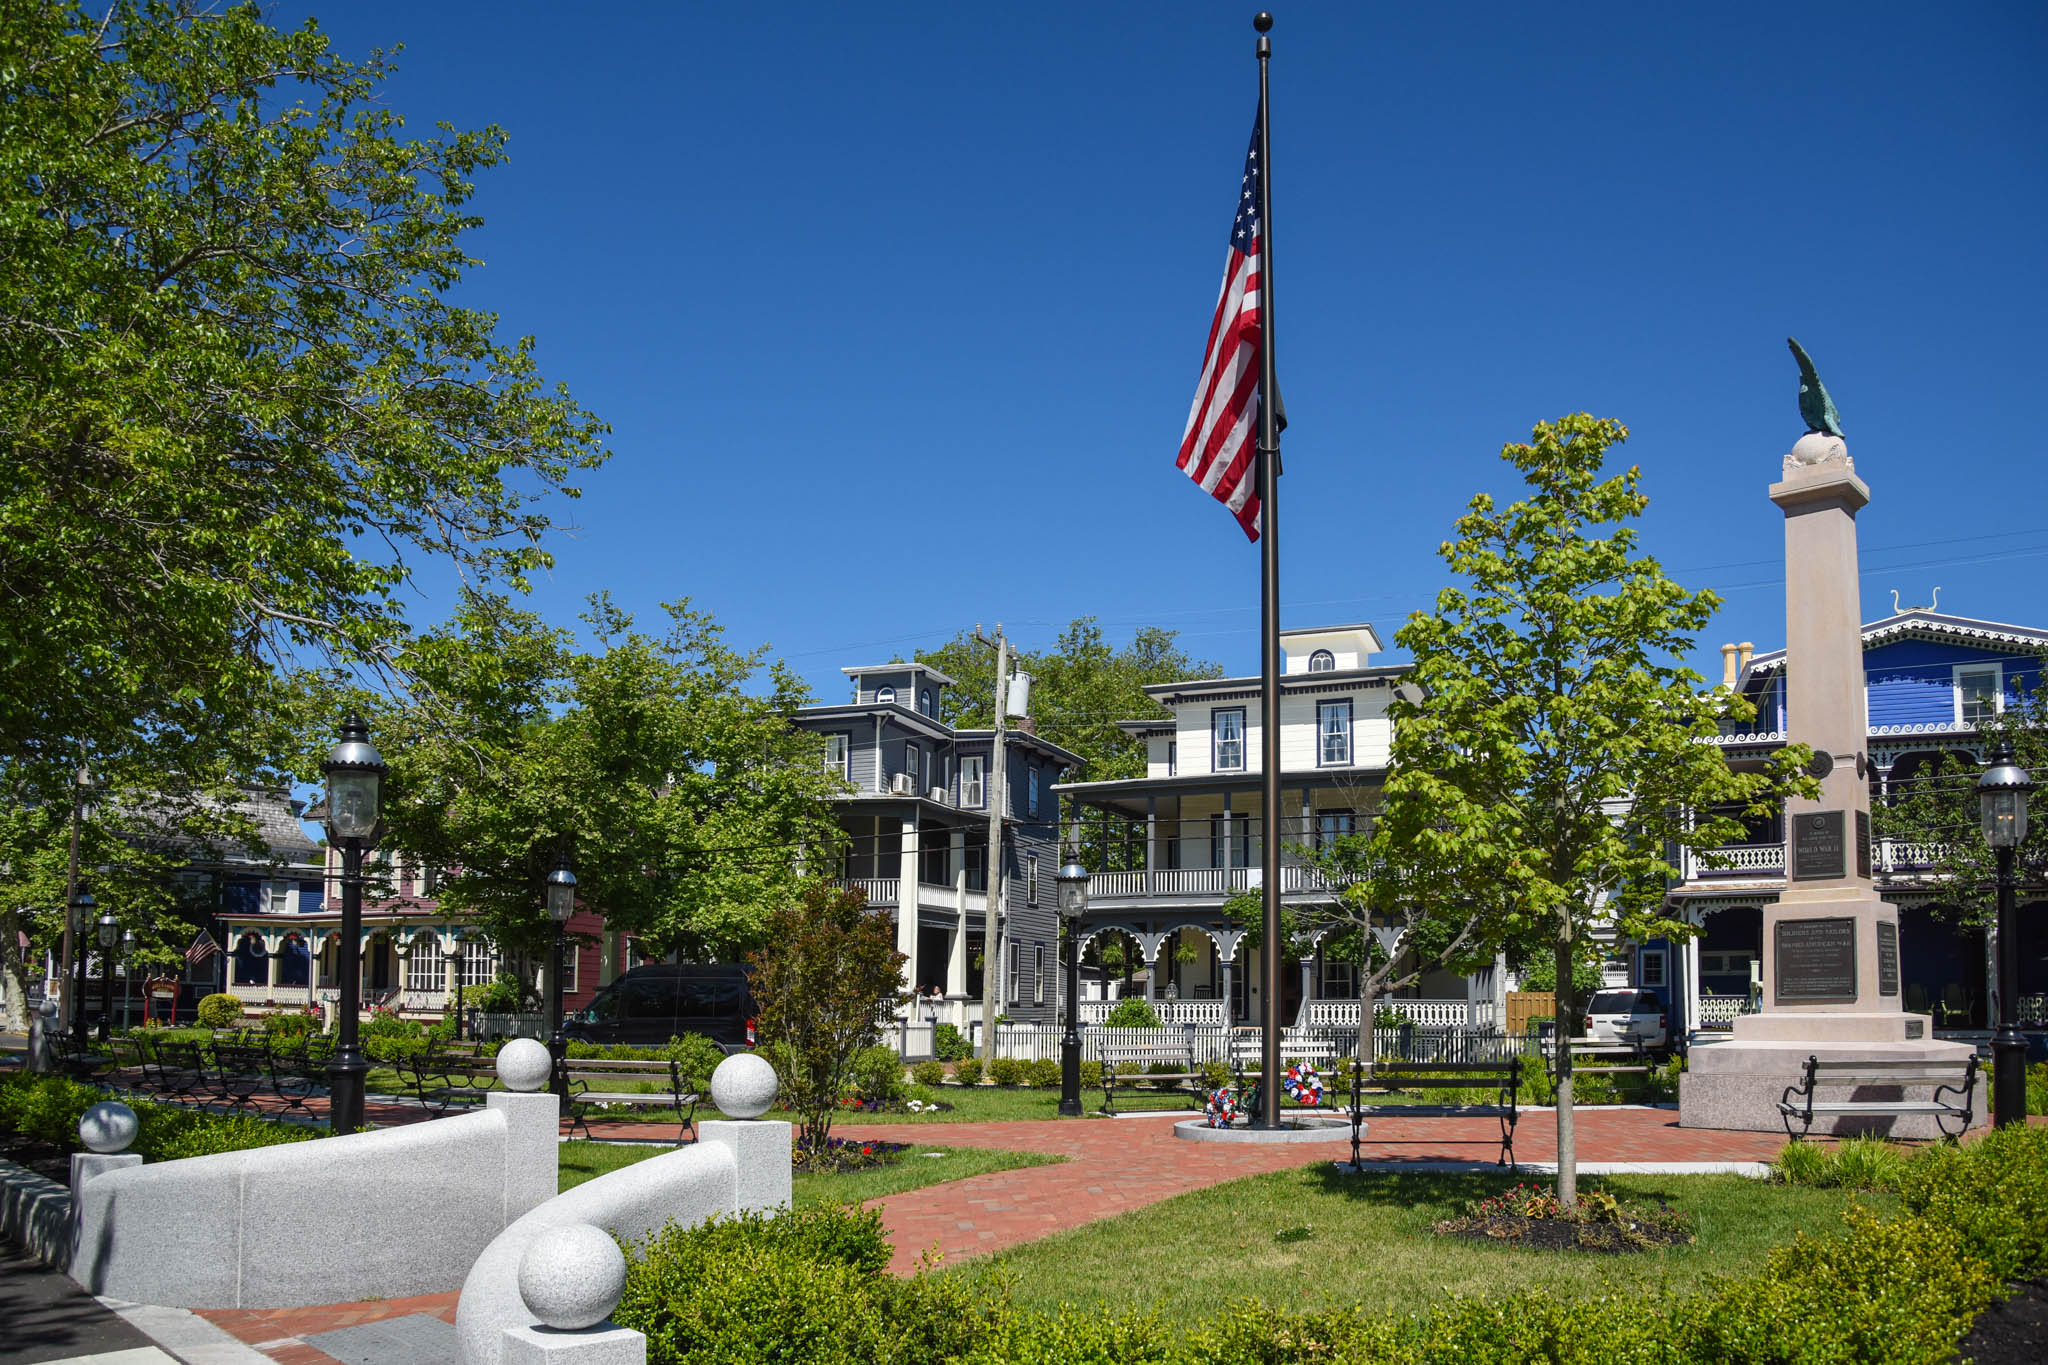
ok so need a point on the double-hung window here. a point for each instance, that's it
(1031, 793)
(1031, 879)
(1172, 757)
(1979, 693)
(1333, 729)
(1332, 825)
(1230, 841)
(970, 781)
(835, 755)
(1227, 735)
(910, 765)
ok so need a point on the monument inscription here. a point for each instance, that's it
(1887, 957)
(1820, 846)
(1863, 843)
(1814, 960)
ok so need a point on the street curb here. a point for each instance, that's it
(186, 1335)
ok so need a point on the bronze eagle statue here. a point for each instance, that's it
(1815, 406)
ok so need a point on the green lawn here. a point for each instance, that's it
(920, 1166)
(1371, 1243)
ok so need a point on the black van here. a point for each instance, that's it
(660, 1001)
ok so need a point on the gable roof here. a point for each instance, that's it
(1921, 624)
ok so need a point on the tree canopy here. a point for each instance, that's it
(1080, 689)
(1559, 756)
(237, 410)
(663, 766)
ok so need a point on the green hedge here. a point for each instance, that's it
(47, 1109)
(813, 1287)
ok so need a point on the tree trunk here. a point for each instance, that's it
(1367, 1052)
(1567, 1138)
(14, 988)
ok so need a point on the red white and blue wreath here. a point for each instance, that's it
(1221, 1110)
(1304, 1084)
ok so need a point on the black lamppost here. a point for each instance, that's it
(110, 934)
(455, 939)
(2002, 800)
(81, 912)
(561, 894)
(1073, 900)
(355, 778)
(127, 973)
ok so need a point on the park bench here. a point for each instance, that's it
(443, 1080)
(595, 1081)
(237, 1073)
(296, 1076)
(67, 1058)
(1248, 1061)
(1165, 1064)
(1957, 1079)
(1392, 1077)
(177, 1070)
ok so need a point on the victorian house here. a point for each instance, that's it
(916, 818)
(1930, 681)
(1176, 844)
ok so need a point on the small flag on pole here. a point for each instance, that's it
(203, 947)
(1219, 448)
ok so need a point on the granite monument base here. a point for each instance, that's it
(1738, 1084)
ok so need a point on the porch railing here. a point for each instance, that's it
(1344, 1013)
(1295, 878)
(878, 890)
(1174, 1012)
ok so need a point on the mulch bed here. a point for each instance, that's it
(2012, 1331)
(1562, 1234)
(848, 1154)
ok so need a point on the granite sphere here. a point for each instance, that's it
(108, 1126)
(1817, 447)
(572, 1276)
(744, 1086)
(524, 1064)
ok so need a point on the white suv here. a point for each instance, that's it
(1628, 1016)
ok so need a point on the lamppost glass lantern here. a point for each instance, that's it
(110, 934)
(110, 930)
(1073, 881)
(561, 893)
(355, 778)
(2002, 799)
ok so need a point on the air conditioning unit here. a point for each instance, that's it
(899, 783)
(938, 794)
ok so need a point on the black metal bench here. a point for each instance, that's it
(237, 1073)
(597, 1081)
(79, 1063)
(1957, 1079)
(177, 1070)
(295, 1077)
(1392, 1077)
(443, 1080)
(1181, 1073)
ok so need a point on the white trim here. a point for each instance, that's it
(973, 791)
(1996, 668)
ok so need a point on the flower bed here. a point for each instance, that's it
(847, 1154)
(1531, 1216)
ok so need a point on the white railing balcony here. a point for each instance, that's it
(1721, 1010)
(1201, 881)
(1896, 856)
(1344, 1013)
(878, 890)
(1736, 859)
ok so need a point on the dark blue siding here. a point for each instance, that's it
(1912, 682)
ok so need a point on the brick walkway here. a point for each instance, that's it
(1113, 1166)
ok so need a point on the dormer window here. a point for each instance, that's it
(925, 704)
(1322, 661)
(884, 696)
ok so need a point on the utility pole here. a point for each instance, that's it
(72, 943)
(998, 795)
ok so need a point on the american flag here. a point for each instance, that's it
(203, 947)
(1220, 447)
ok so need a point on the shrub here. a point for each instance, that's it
(930, 1074)
(219, 1010)
(877, 1074)
(288, 1027)
(968, 1071)
(1132, 1012)
(1215, 1075)
(1006, 1071)
(1994, 1192)
(1091, 1075)
(696, 1057)
(509, 994)
(1043, 1072)
(950, 1045)
(809, 1286)
(47, 1109)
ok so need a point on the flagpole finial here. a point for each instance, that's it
(1263, 21)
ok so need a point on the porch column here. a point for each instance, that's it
(1229, 994)
(451, 973)
(1692, 977)
(906, 899)
(956, 959)
(1151, 838)
(1151, 969)
(1308, 980)
(270, 971)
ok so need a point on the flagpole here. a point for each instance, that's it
(1269, 610)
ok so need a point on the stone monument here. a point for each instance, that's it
(1831, 943)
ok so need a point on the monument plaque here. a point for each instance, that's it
(1863, 843)
(1815, 960)
(1819, 846)
(1887, 957)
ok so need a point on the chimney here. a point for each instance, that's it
(1025, 725)
(1742, 662)
(1728, 667)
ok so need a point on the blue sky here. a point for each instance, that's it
(896, 312)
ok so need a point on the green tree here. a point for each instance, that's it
(237, 410)
(833, 975)
(1937, 809)
(665, 767)
(1080, 689)
(1559, 755)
